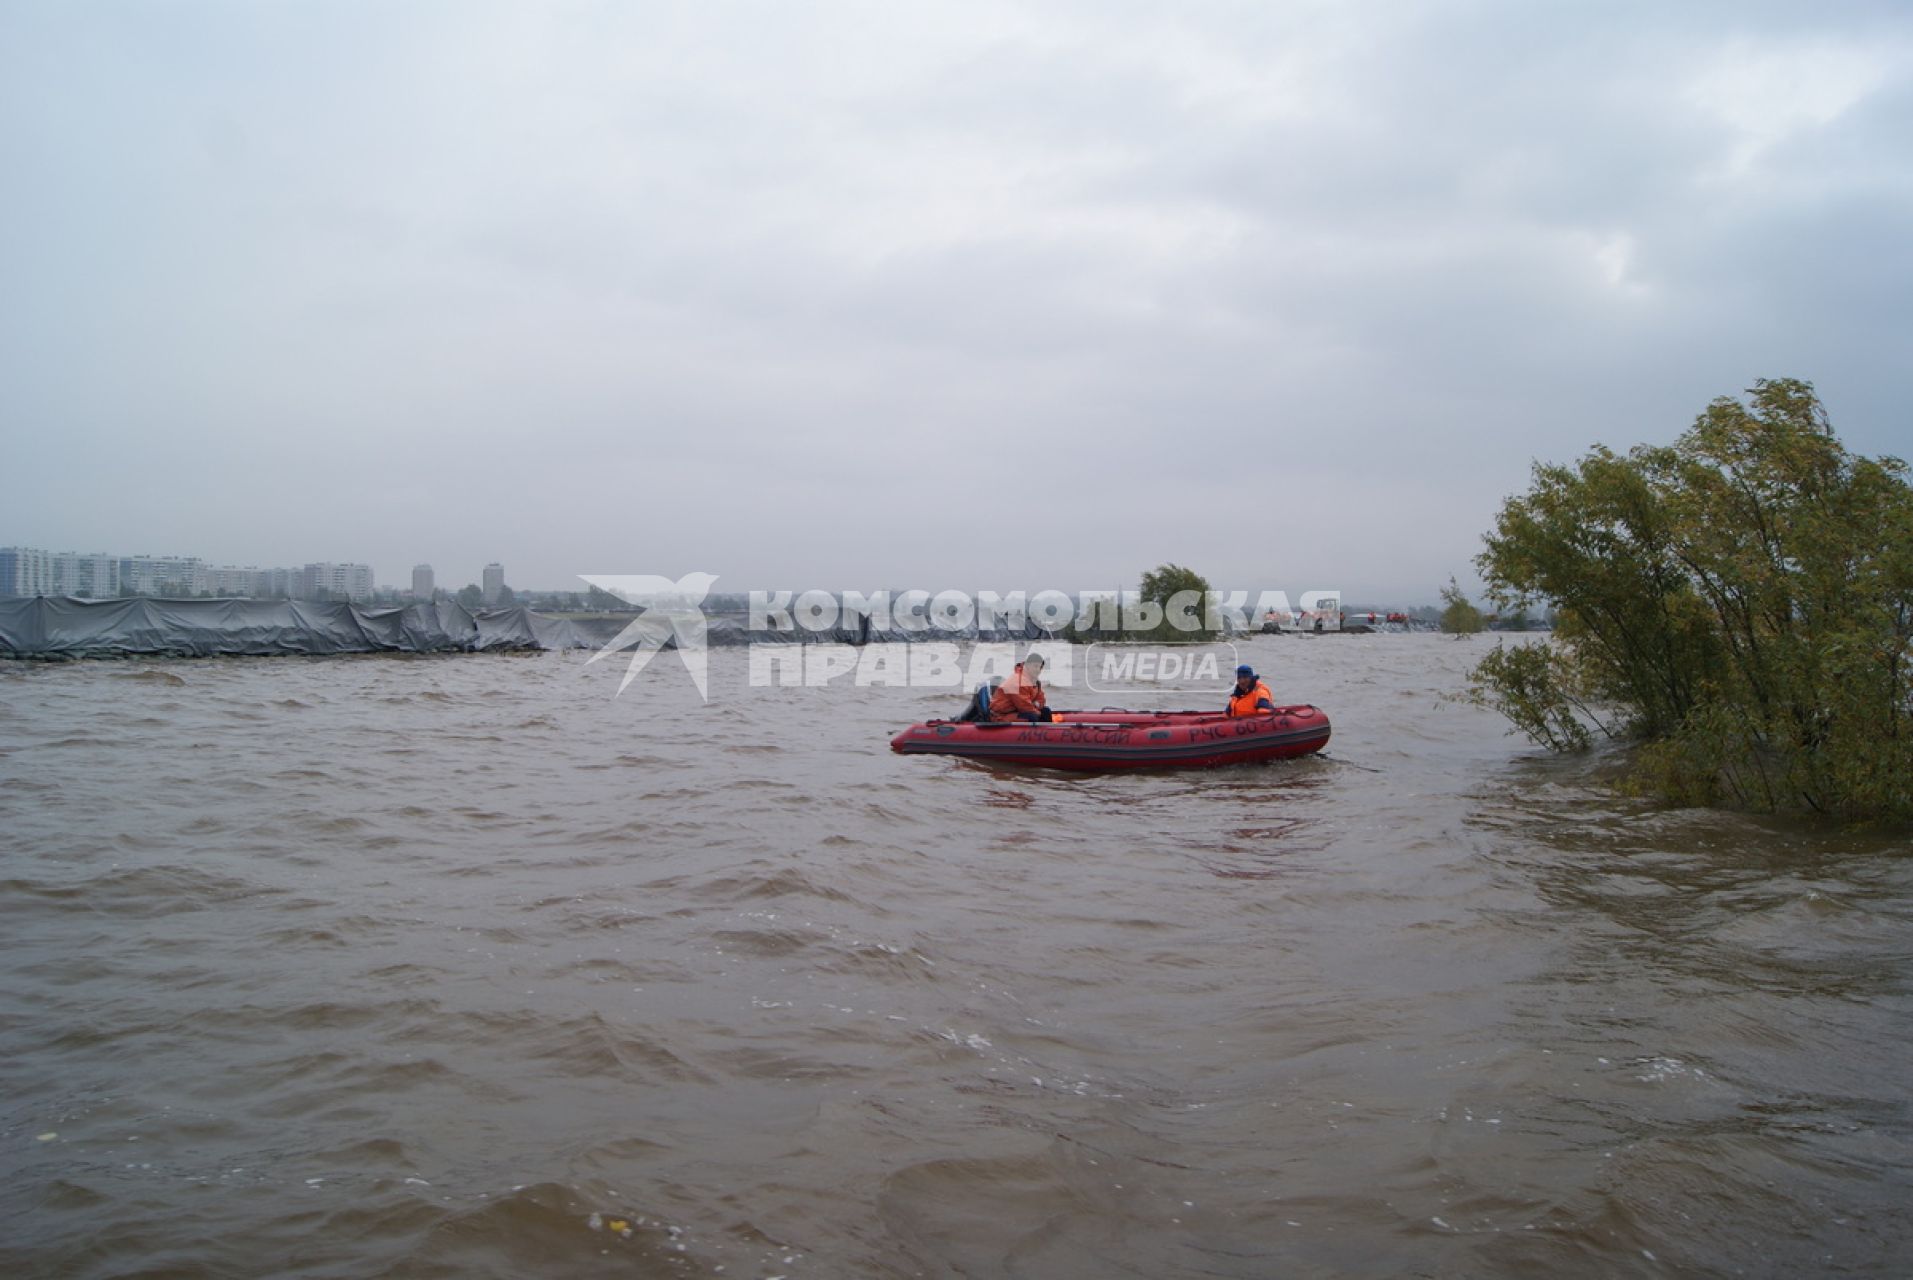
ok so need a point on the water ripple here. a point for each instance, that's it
(461, 967)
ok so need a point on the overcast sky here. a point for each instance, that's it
(903, 294)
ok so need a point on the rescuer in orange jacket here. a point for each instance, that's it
(1250, 697)
(1021, 696)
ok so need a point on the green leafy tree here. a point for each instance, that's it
(471, 595)
(1458, 617)
(1741, 601)
(1174, 603)
(1181, 597)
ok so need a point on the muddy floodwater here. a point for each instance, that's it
(464, 967)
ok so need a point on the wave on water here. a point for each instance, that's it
(466, 968)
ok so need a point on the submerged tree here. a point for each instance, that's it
(1741, 600)
(1170, 605)
(1182, 595)
(1458, 617)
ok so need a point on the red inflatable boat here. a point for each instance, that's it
(1095, 740)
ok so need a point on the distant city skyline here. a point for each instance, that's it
(225, 579)
(30, 571)
(60, 573)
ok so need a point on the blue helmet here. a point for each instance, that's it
(1245, 670)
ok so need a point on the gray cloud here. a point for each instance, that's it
(872, 295)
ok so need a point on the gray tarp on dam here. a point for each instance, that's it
(51, 627)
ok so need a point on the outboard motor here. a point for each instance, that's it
(978, 710)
